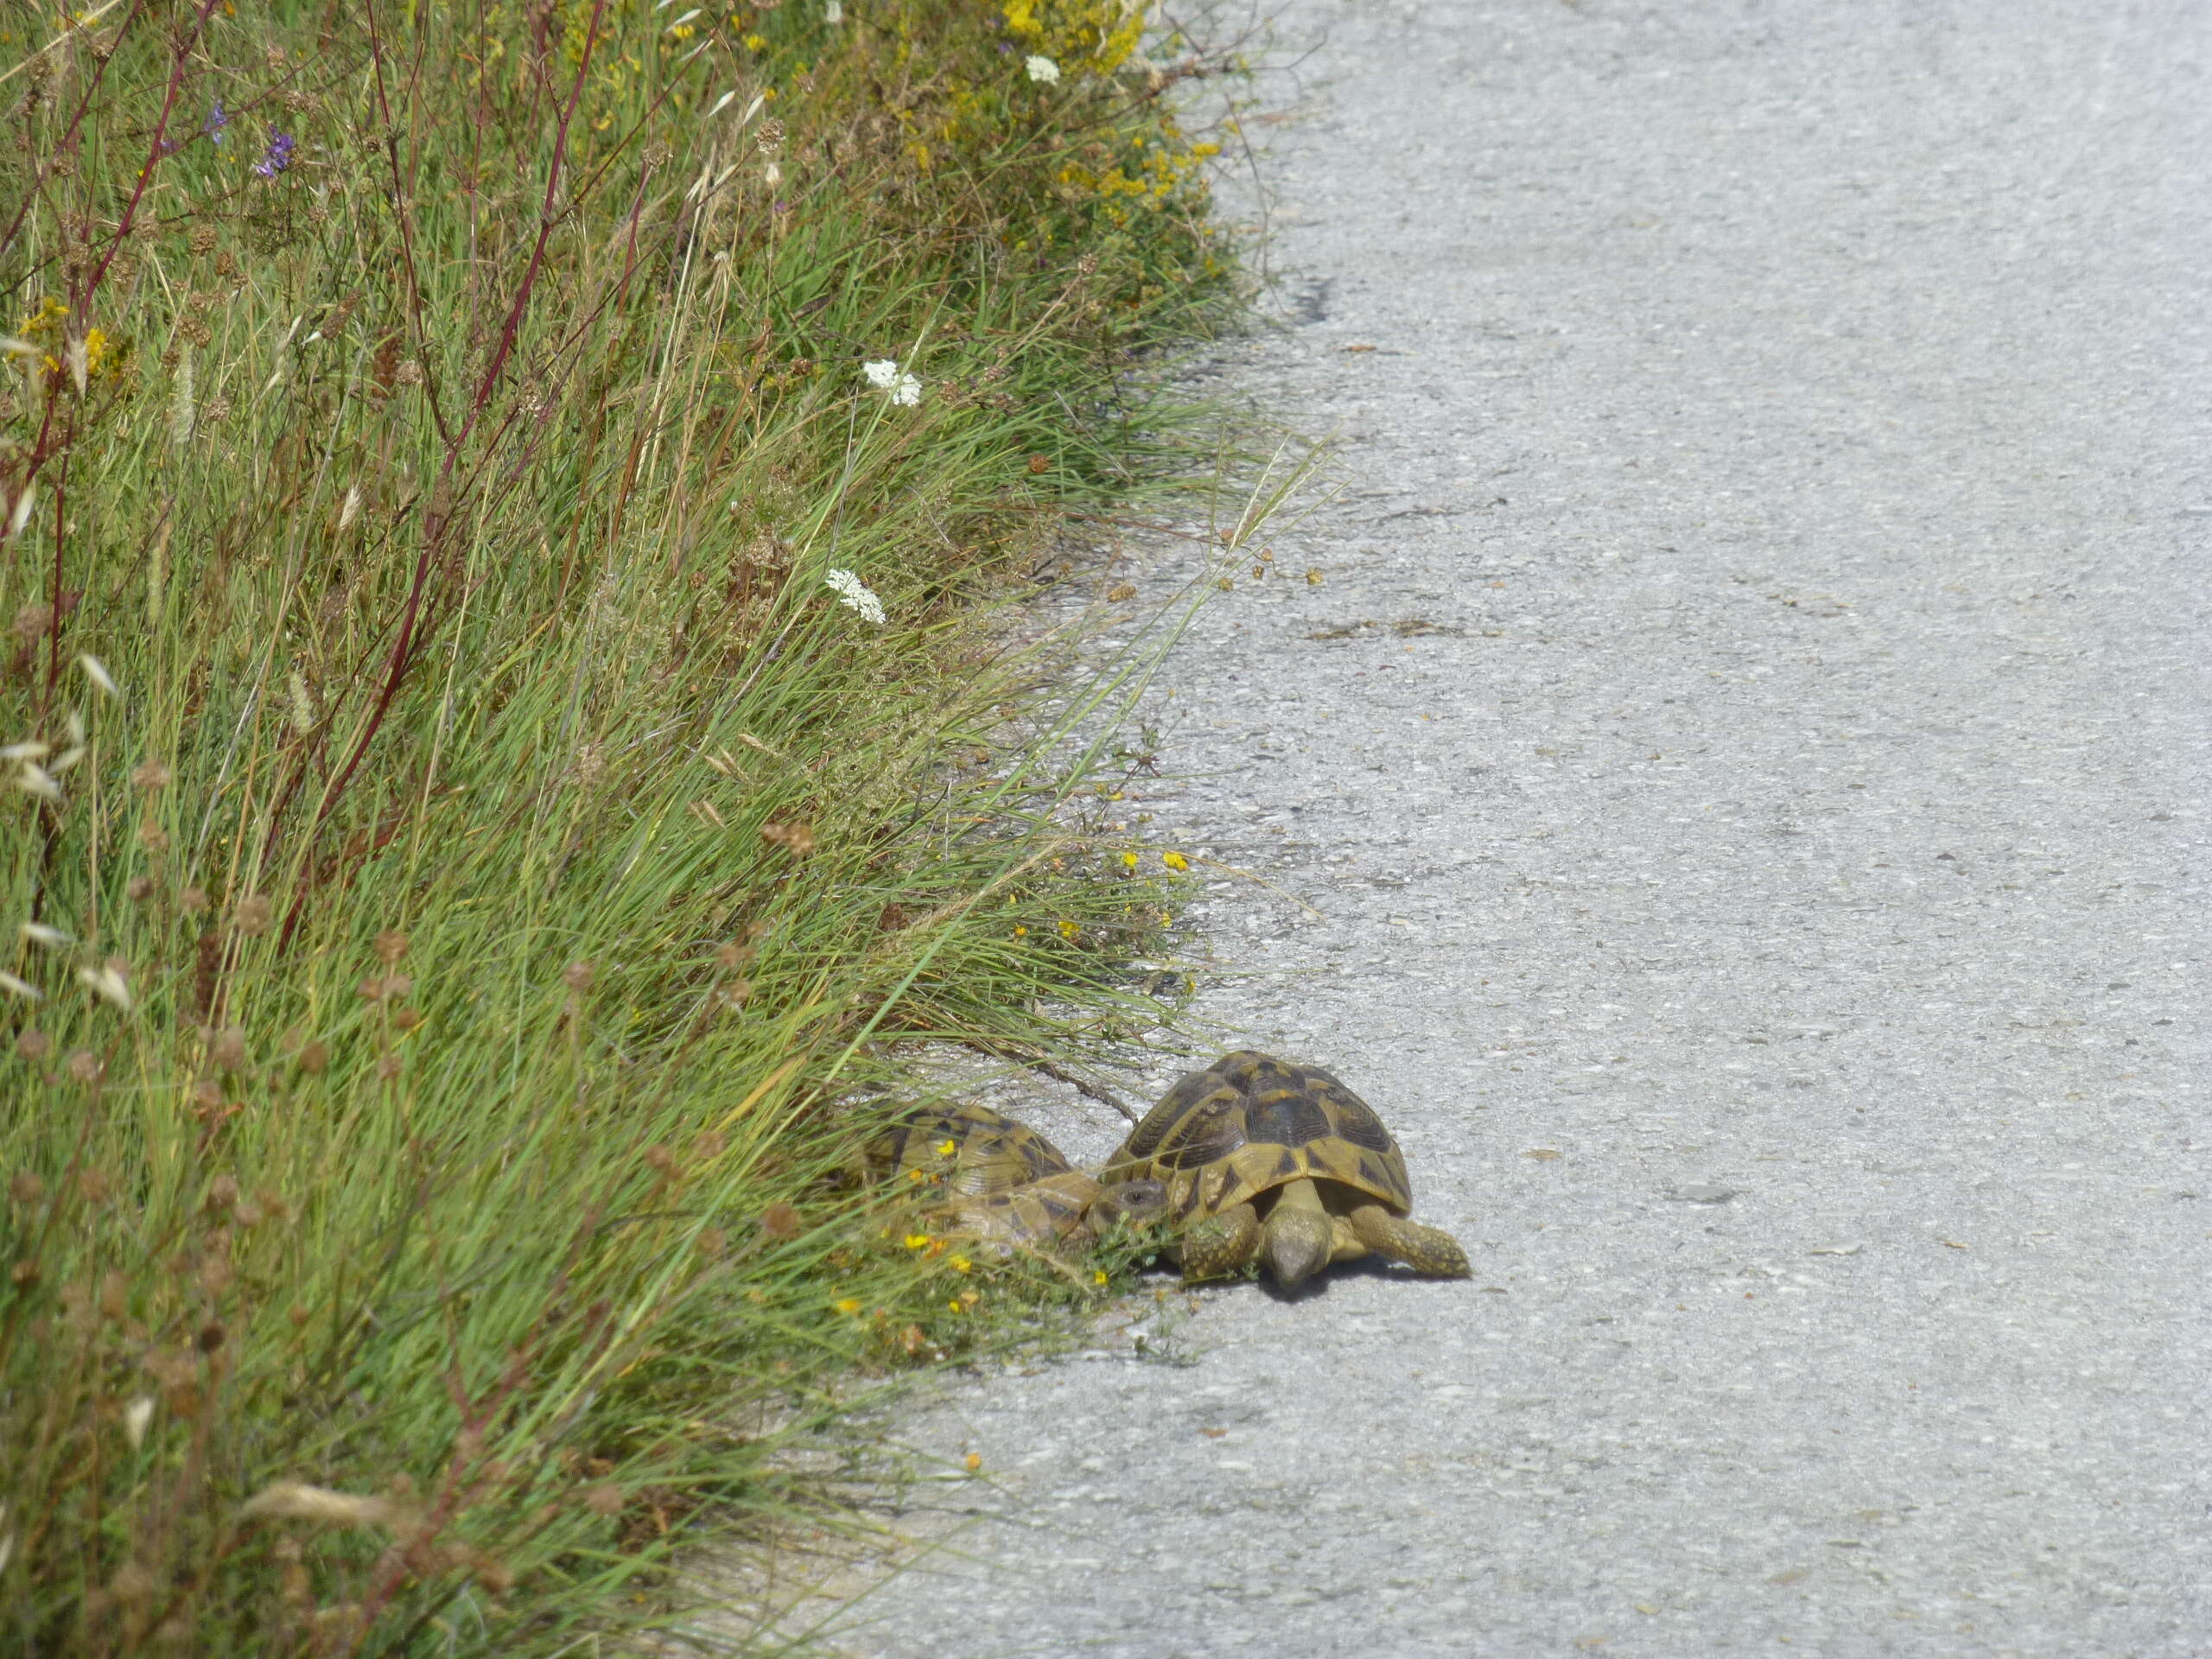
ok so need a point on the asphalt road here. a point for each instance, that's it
(1748, 751)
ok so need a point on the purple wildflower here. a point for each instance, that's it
(216, 121)
(278, 156)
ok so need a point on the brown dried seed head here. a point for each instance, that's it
(207, 1095)
(152, 774)
(387, 1066)
(191, 900)
(1039, 463)
(390, 946)
(212, 1334)
(734, 957)
(26, 1188)
(34, 1044)
(23, 1274)
(153, 838)
(406, 1019)
(222, 1192)
(252, 915)
(84, 1066)
(577, 976)
(660, 1158)
(227, 1052)
(603, 1498)
(712, 1144)
(313, 1057)
(139, 889)
(712, 1242)
(779, 1221)
(1121, 591)
(96, 1186)
(797, 839)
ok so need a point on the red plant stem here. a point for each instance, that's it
(68, 134)
(439, 513)
(169, 97)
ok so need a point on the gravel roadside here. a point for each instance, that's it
(1749, 754)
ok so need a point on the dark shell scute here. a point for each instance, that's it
(1212, 1132)
(1290, 1117)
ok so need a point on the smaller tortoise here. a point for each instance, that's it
(1266, 1161)
(1001, 1181)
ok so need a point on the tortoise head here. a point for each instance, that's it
(1137, 1203)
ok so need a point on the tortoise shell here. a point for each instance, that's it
(998, 1177)
(1248, 1124)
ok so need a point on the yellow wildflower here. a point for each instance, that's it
(1175, 860)
(918, 1241)
(1098, 1276)
(1069, 930)
(848, 1305)
(756, 43)
(946, 1148)
(962, 1264)
(1130, 860)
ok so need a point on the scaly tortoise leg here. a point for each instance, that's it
(1221, 1245)
(1425, 1249)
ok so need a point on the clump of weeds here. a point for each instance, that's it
(507, 514)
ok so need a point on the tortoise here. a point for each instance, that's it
(1001, 1181)
(1266, 1161)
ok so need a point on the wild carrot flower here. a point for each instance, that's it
(854, 595)
(1043, 71)
(904, 389)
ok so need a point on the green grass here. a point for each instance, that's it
(449, 947)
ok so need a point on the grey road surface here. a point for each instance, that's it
(1749, 752)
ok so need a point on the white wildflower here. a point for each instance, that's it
(34, 780)
(23, 988)
(1044, 72)
(31, 750)
(22, 515)
(905, 389)
(135, 1416)
(107, 984)
(66, 759)
(350, 510)
(855, 594)
(722, 103)
(833, 13)
(40, 933)
(96, 671)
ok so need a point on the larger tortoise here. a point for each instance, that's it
(1266, 1161)
(1000, 1181)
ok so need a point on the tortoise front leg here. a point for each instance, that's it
(1221, 1245)
(1425, 1249)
